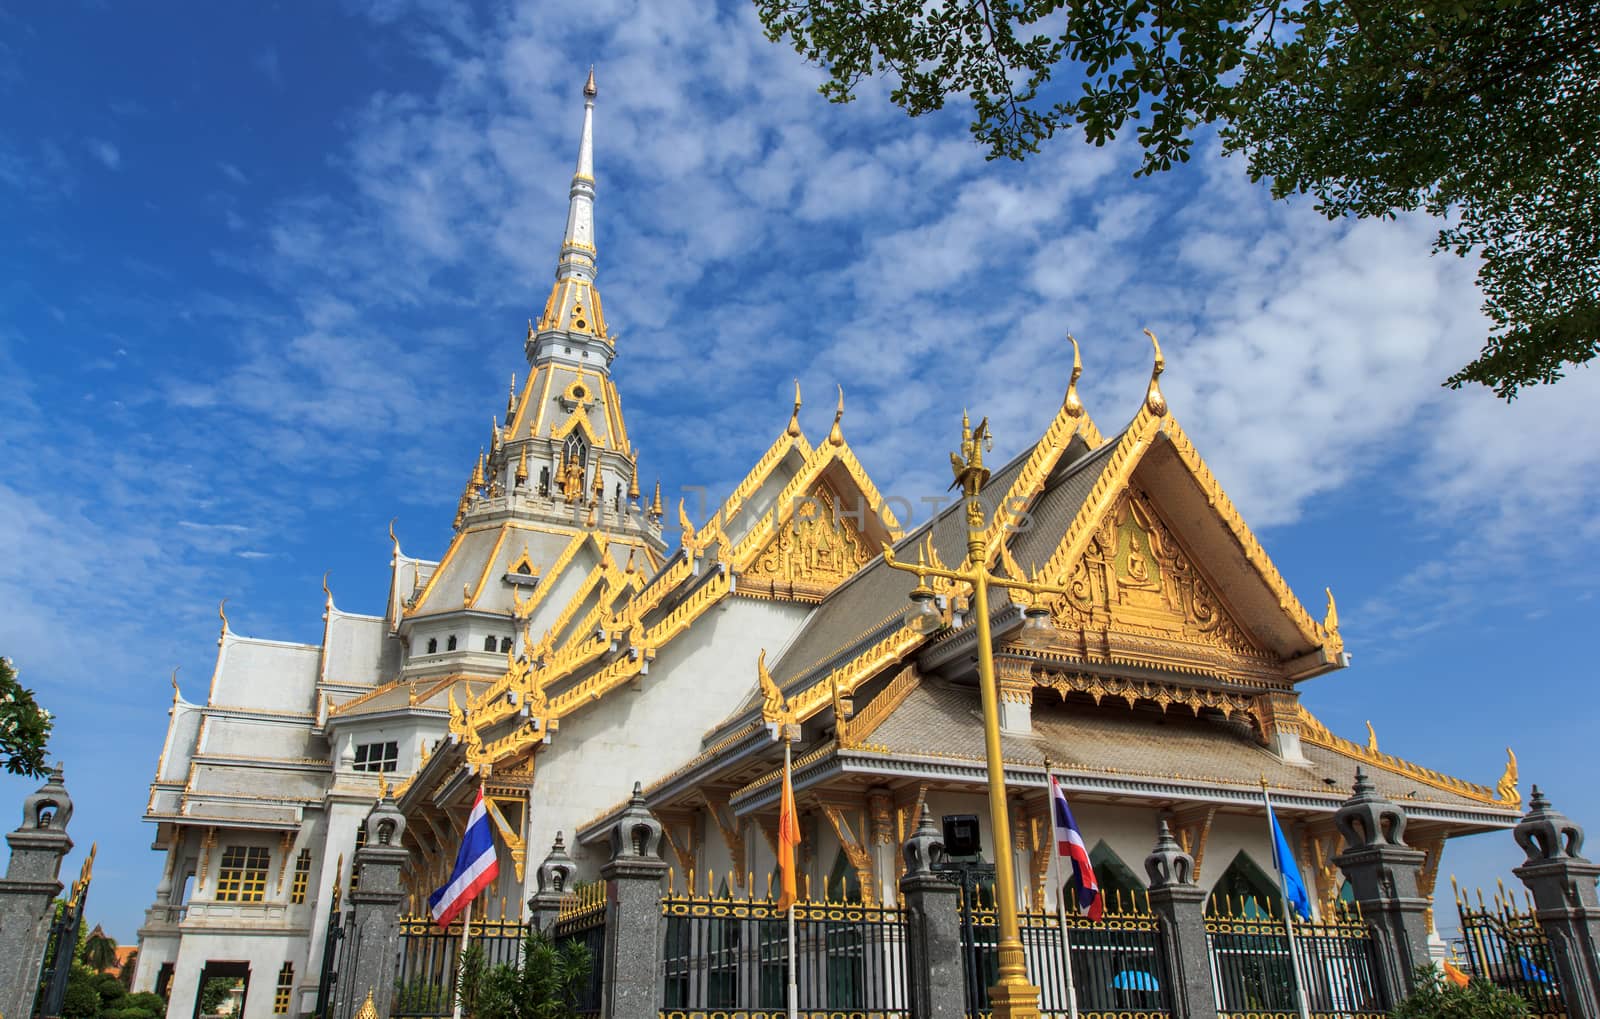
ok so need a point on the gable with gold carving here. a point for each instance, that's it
(813, 551)
(1138, 595)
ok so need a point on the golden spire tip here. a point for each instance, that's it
(794, 419)
(588, 86)
(1072, 405)
(1153, 400)
(836, 436)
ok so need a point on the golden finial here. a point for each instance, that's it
(836, 436)
(633, 480)
(656, 513)
(1372, 738)
(1153, 399)
(794, 419)
(629, 567)
(511, 398)
(1072, 405)
(392, 539)
(1506, 789)
(522, 466)
(477, 471)
(588, 86)
(494, 433)
(368, 1010)
(593, 517)
(175, 693)
(1330, 621)
(774, 709)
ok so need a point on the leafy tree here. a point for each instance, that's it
(24, 726)
(82, 1000)
(1482, 113)
(1437, 998)
(99, 950)
(547, 986)
(143, 1005)
(214, 993)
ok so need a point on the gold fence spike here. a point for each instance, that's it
(749, 885)
(691, 882)
(672, 879)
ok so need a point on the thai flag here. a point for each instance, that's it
(1069, 844)
(476, 867)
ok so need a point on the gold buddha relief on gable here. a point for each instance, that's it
(1136, 579)
(815, 551)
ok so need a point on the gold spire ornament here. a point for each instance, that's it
(588, 86)
(511, 394)
(1153, 400)
(368, 1009)
(1372, 738)
(1072, 405)
(656, 512)
(793, 431)
(1506, 789)
(522, 466)
(835, 435)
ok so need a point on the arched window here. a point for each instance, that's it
(505, 644)
(450, 643)
(488, 643)
(1120, 889)
(1244, 889)
(433, 645)
(576, 449)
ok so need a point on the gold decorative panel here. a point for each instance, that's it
(810, 555)
(1136, 595)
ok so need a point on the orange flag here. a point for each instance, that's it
(788, 839)
(1454, 975)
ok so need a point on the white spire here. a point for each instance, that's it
(577, 249)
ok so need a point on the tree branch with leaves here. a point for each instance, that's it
(24, 726)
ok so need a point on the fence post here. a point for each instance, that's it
(934, 978)
(1179, 905)
(555, 881)
(1382, 871)
(633, 965)
(1563, 887)
(375, 911)
(28, 891)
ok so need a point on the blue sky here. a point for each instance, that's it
(264, 273)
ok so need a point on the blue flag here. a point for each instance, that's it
(1294, 889)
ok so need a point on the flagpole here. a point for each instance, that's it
(794, 991)
(1055, 884)
(461, 957)
(1288, 917)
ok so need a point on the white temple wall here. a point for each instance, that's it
(642, 735)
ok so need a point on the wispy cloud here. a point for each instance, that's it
(108, 154)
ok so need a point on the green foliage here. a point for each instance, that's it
(99, 950)
(109, 987)
(24, 726)
(1438, 998)
(1482, 113)
(82, 1000)
(546, 986)
(214, 993)
(143, 1005)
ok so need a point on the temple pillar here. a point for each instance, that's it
(1179, 905)
(1014, 678)
(28, 892)
(555, 881)
(935, 982)
(374, 926)
(1382, 871)
(633, 970)
(1563, 887)
(880, 811)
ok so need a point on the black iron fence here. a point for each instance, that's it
(728, 954)
(58, 951)
(1114, 966)
(1254, 974)
(582, 919)
(1507, 946)
(425, 977)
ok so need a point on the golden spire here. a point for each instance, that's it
(593, 518)
(1072, 405)
(794, 419)
(836, 436)
(368, 1009)
(477, 471)
(633, 481)
(655, 506)
(1153, 400)
(511, 394)
(588, 86)
(494, 433)
(522, 465)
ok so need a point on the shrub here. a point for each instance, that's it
(1438, 998)
(546, 987)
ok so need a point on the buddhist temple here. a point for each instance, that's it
(558, 650)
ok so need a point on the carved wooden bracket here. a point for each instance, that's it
(732, 834)
(854, 850)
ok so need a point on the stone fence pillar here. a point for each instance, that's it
(1179, 905)
(1563, 887)
(633, 964)
(555, 881)
(934, 977)
(1382, 871)
(373, 931)
(28, 891)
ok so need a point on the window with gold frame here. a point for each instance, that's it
(243, 876)
(280, 997)
(302, 877)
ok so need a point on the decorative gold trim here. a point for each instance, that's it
(853, 732)
(1314, 732)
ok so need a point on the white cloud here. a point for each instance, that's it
(108, 154)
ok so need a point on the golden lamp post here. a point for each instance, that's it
(1013, 997)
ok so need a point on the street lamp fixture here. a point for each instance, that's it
(1012, 997)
